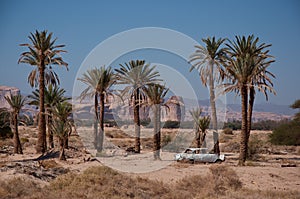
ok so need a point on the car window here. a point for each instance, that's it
(189, 151)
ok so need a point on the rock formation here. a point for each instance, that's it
(7, 91)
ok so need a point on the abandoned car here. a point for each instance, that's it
(199, 155)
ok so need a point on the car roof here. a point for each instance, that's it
(193, 149)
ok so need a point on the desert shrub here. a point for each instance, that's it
(223, 138)
(166, 139)
(232, 146)
(145, 122)
(227, 131)
(24, 140)
(255, 146)
(103, 182)
(18, 188)
(224, 178)
(5, 132)
(215, 184)
(286, 134)
(171, 124)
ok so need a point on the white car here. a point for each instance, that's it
(199, 155)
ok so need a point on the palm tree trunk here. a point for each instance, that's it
(250, 110)
(137, 123)
(203, 143)
(243, 141)
(101, 121)
(96, 121)
(212, 99)
(66, 142)
(198, 139)
(62, 149)
(41, 143)
(50, 133)
(17, 143)
(157, 134)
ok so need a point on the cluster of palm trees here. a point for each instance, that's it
(141, 86)
(239, 66)
(54, 108)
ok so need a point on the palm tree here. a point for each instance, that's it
(99, 82)
(296, 105)
(53, 95)
(246, 68)
(155, 95)
(207, 60)
(137, 76)
(201, 124)
(16, 103)
(62, 124)
(42, 52)
(50, 77)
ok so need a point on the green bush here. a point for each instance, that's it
(145, 122)
(286, 134)
(171, 124)
(5, 132)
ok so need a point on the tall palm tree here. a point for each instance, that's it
(16, 103)
(62, 124)
(207, 60)
(137, 76)
(246, 69)
(262, 81)
(201, 124)
(99, 82)
(50, 77)
(155, 95)
(53, 95)
(42, 53)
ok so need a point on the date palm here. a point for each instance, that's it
(42, 52)
(99, 82)
(155, 95)
(246, 69)
(16, 104)
(136, 76)
(53, 95)
(62, 124)
(201, 124)
(296, 105)
(50, 77)
(207, 60)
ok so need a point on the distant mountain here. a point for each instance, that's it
(265, 107)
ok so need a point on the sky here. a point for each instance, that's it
(83, 25)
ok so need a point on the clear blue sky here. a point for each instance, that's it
(82, 25)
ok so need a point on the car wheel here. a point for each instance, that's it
(218, 161)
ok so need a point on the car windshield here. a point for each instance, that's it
(188, 151)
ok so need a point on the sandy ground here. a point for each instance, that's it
(262, 175)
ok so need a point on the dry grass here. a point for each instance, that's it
(103, 182)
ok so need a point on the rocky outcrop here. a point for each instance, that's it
(114, 110)
(7, 91)
(174, 109)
